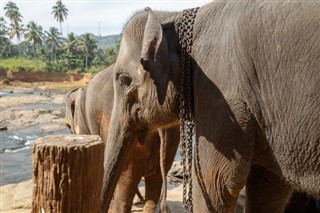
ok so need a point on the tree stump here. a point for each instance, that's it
(67, 173)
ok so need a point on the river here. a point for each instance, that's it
(17, 142)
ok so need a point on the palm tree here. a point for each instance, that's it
(87, 44)
(12, 11)
(3, 27)
(4, 41)
(60, 12)
(16, 30)
(34, 34)
(53, 40)
(70, 43)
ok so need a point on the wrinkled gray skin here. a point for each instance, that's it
(256, 99)
(88, 112)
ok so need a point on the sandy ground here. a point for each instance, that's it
(17, 198)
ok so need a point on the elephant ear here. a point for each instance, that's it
(152, 37)
(154, 54)
(70, 102)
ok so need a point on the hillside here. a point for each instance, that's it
(107, 41)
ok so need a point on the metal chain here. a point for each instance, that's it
(186, 103)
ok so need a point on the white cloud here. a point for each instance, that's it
(84, 16)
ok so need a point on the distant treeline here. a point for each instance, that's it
(48, 50)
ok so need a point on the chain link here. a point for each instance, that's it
(186, 103)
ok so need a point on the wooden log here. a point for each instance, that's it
(67, 173)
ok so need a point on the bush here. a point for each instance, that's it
(77, 70)
(94, 70)
(51, 67)
(3, 69)
(22, 64)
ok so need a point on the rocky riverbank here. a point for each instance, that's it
(24, 105)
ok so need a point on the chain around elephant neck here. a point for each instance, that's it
(186, 102)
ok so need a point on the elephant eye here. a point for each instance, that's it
(125, 80)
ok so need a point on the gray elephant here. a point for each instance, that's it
(247, 74)
(88, 112)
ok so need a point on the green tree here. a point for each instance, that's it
(3, 27)
(71, 56)
(88, 44)
(99, 59)
(70, 43)
(4, 41)
(12, 11)
(111, 54)
(16, 28)
(53, 40)
(34, 34)
(60, 13)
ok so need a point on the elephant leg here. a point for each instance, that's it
(218, 180)
(124, 194)
(265, 192)
(153, 191)
(212, 192)
(127, 184)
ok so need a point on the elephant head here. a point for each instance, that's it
(146, 80)
(74, 116)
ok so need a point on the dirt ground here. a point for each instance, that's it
(17, 198)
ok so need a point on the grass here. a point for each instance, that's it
(34, 65)
(22, 64)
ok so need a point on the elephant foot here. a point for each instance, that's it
(166, 210)
(150, 207)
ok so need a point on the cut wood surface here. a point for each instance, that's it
(67, 173)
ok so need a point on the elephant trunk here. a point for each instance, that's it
(119, 142)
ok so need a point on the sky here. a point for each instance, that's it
(86, 15)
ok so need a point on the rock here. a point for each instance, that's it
(5, 81)
(3, 128)
(16, 197)
(52, 127)
(6, 197)
(22, 195)
(176, 172)
(58, 99)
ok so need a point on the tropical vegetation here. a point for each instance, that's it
(31, 48)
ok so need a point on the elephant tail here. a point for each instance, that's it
(163, 144)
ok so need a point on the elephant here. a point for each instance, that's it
(254, 97)
(88, 112)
